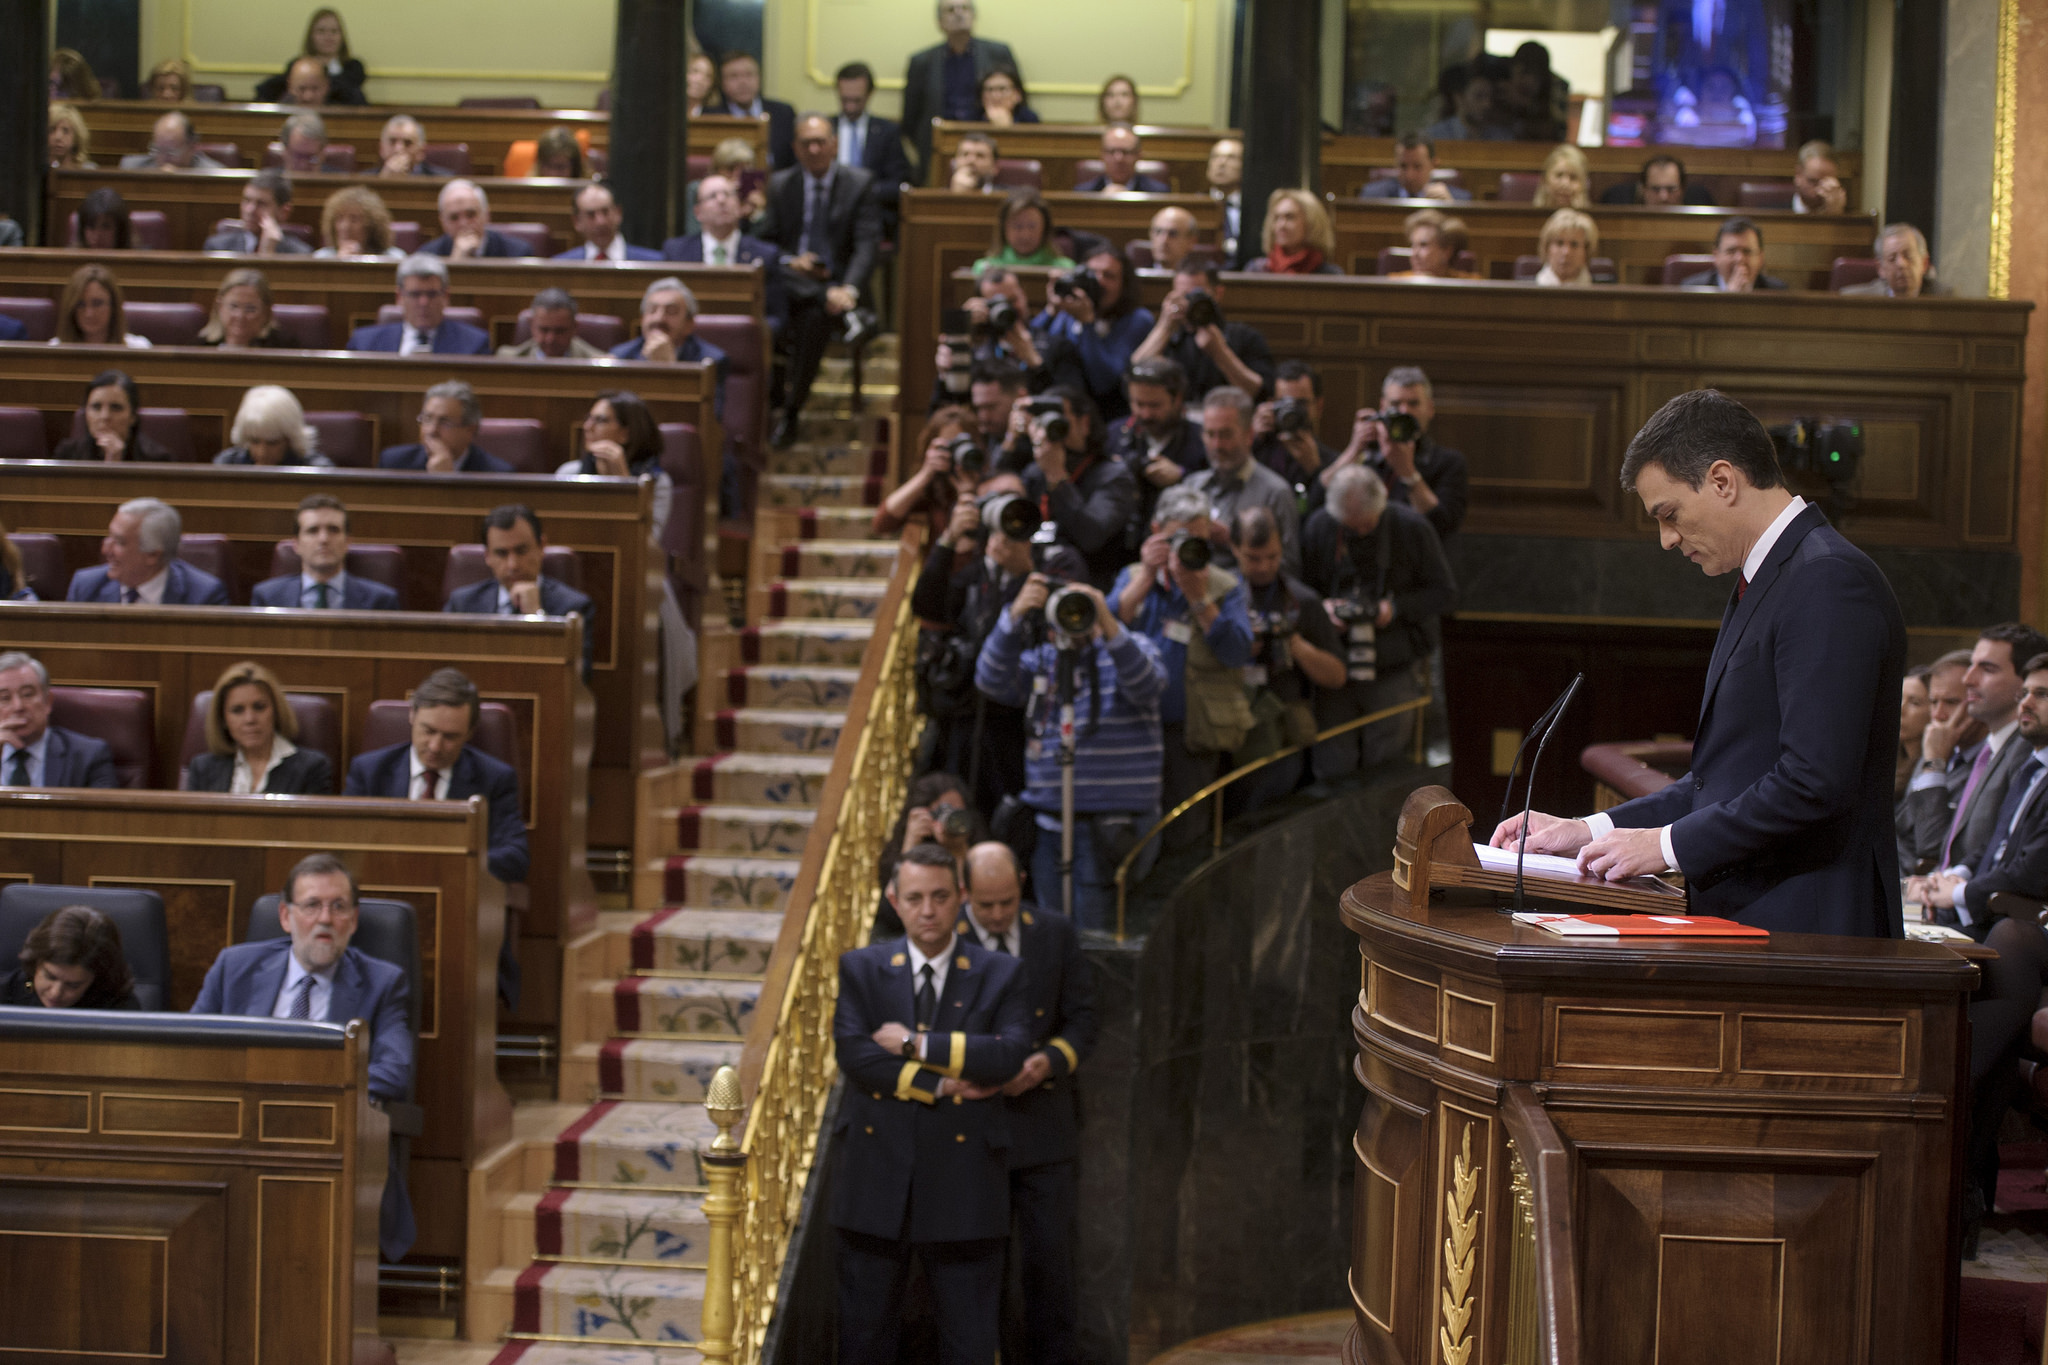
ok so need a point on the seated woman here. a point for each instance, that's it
(249, 732)
(327, 40)
(70, 140)
(103, 223)
(1566, 245)
(71, 76)
(270, 429)
(1297, 238)
(72, 961)
(1118, 102)
(621, 439)
(560, 155)
(90, 313)
(170, 82)
(355, 223)
(700, 82)
(1566, 179)
(1434, 241)
(242, 314)
(13, 577)
(1003, 98)
(936, 488)
(1024, 234)
(113, 425)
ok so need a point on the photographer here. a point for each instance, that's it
(1115, 681)
(1419, 472)
(975, 569)
(953, 464)
(1091, 327)
(1157, 442)
(1285, 432)
(1192, 331)
(1194, 614)
(1087, 495)
(1234, 480)
(994, 388)
(1295, 652)
(1383, 578)
(935, 811)
(994, 326)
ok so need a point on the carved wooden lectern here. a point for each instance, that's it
(1693, 1152)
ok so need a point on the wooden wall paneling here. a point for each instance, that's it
(1059, 147)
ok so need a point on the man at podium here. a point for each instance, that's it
(1785, 821)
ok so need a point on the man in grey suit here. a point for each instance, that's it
(33, 752)
(1902, 268)
(173, 146)
(944, 80)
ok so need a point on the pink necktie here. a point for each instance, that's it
(1984, 757)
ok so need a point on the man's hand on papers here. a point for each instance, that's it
(1547, 834)
(1622, 854)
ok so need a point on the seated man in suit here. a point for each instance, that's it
(33, 752)
(825, 219)
(449, 419)
(668, 333)
(142, 565)
(307, 83)
(974, 165)
(739, 85)
(720, 241)
(466, 229)
(266, 206)
(423, 329)
(1661, 184)
(323, 579)
(1120, 152)
(514, 547)
(2017, 858)
(1903, 270)
(595, 213)
(304, 142)
(924, 1019)
(315, 975)
(552, 330)
(1738, 261)
(1414, 174)
(402, 148)
(173, 146)
(869, 141)
(437, 764)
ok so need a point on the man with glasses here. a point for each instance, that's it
(423, 330)
(447, 445)
(314, 975)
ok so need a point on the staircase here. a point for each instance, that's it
(593, 1213)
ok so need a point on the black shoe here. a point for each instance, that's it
(1973, 1217)
(784, 435)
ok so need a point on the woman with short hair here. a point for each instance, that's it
(1118, 102)
(1566, 245)
(71, 961)
(1004, 101)
(250, 731)
(90, 313)
(1024, 234)
(103, 221)
(1297, 238)
(242, 314)
(170, 82)
(70, 140)
(270, 429)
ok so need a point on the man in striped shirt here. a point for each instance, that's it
(1117, 682)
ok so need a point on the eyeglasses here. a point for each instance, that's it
(339, 909)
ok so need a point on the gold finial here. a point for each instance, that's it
(723, 1102)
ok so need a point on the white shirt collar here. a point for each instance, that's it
(1008, 937)
(730, 243)
(323, 989)
(36, 751)
(615, 252)
(152, 592)
(939, 964)
(413, 770)
(337, 585)
(249, 783)
(1761, 551)
(1997, 738)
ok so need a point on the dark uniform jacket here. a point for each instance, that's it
(1045, 1123)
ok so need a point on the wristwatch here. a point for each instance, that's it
(1410, 480)
(910, 1047)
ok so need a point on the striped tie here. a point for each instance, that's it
(302, 1003)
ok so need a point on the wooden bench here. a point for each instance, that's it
(211, 857)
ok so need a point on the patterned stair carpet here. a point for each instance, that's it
(617, 1240)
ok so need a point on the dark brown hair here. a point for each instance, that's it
(1689, 433)
(80, 936)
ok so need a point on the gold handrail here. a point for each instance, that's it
(1123, 869)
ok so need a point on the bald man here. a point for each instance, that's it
(1172, 236)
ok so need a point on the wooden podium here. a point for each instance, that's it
(1613, 1152)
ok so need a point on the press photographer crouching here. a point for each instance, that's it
(1157, 442)
(975, 570)
(1193, 611)
(1193, 333)
(1295, 653)
(1284, 433)
(993, 327)
(1087, 495)
(1383, 578)
(1092, 781)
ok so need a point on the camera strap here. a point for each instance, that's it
(1073, 477)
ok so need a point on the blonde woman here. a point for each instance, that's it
(270, 429)
(70, 141)
(1565, 179)
(170, 82)
(1297, 238)
(249, 750)
(242, 313)
(1567, 245)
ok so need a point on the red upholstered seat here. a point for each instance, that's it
(42, 563)
(22, 435)
(212, 553)
(748, 369)
(682, 537)
(209, 94)
(1443, 175)
(598, 160)
(1398, 258)
(1677, 267)
(166, 324)
(170, 428)
(521, 442)
(1764, 194)
(535, 237)
(497, 734)
(336, 158)
(466, 565)
(228, 154)
(405, 235)
(452, 157)
(379, 563)
(1091, 167)
(148, 230)
(700, 166)
(319, 729)
(305, 324)
(390, 312)
(38, 315)
(1519, 187)
(347, 438)
(601, 330)
(1023, 173)
(1851, 270)
(118, 716)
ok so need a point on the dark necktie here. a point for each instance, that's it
(423, 341)
(302, 1003)
(319, 594)
(429, 778)
(129, 596)
(814, 218)
(927, 998)
(1741, 585)
(999, 943)
(2009, 810)
(17, 776)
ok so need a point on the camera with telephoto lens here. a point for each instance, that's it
(1349, 611)
(1015, 516)
(1402, 427)
(955, 824)
(1190, 551)
(1290, 415)
(1053, 413)
(1198, 307)
(970, 461)
(1810, 445)
(1080, 280)
(996, 322)
(1070, 612)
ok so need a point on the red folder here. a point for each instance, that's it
(1639, 926)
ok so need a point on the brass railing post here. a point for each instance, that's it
(1523, 1340)
(724, 1164)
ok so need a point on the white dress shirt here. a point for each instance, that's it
(731, 245)
(323, 991)
(337, 589)
(853, 139)
(1600, 823)
(939, 962)
(414, 341)
(152, 592)
(413, 770)
(616, 252)
(37, 752)
(249, 783)
(1011, 940)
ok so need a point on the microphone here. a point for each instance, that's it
(1522, 847)
(1507, 797)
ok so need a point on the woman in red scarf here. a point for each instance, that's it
(1298, 239)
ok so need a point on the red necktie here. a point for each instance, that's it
(429, 779)
(1741, 585)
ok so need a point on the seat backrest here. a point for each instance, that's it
(213, 553)
(209, 94)
(1851, 270)
(42, 562)
(405, 235)
(601, 330)
(1604, 270)
(347, 438)
(303, 324)
(228, 154)
(467, 565)
(1391, 259)
(39, 316)
(379, 563)
(1528, 267)
(336, 158)
(319, 729)
(497, 102)
(1022, 173)
(166, 324)
(387, 930)
(497, 733)
(1091, 167)
(682, 462)
(1677, 267)
(598, 160)
(700, 166)
(22, 436)
(137, 913)
(1138, 251)
(1764, 194)
(535, 237)
(118, 716)
(452, 157)
(748, 368)
(1396, 258)
(390, 312)
(148, 230)
(1519, 187)
(170, 428)
(521, 442)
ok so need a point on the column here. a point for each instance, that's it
(650, 136)
(1279, 77)
(24, 111)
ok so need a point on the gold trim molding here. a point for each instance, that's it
(2004, 148)
(1461, 1231)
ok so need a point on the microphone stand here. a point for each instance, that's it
(1063, 694)
(1507, 797)
(1522, 846)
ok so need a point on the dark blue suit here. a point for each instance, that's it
(74, 760)
(633, 253)
(1140, 184)
(781, 128)
(882, 153)
(916, 1170)
(245, 980)
(556, 599)
(186, 587)
(475, 460)
(358, 594)
(1785, 820)
(694, 350)
(496, 244)
(751, 250)
(12, 329)
(2017, 857)
(451, 338)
